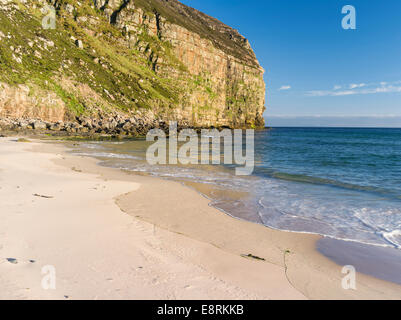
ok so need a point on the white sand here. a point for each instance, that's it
(97, 250)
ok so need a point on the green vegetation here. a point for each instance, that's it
(70, 100)
(120, 75)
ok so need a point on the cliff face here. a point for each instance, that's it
(157, 60)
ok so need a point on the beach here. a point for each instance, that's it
(113, 235)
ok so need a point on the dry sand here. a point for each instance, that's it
(112, 235)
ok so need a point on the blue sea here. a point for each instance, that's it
(342, 183)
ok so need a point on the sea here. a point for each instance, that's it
(341, 183)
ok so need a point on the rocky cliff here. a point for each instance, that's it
(124, 66)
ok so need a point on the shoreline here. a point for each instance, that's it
(196, 251)
(340, 251)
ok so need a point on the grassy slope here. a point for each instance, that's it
(123, 78)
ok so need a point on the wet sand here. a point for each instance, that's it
(380, 262)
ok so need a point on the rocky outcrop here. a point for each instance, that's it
(124, 66)
(116, 125)
(22, 102)
(229, 87)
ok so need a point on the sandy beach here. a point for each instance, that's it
(113, 235)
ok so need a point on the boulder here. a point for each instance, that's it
(39, 125)
(79, 44)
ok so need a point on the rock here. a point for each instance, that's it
(55, 127)
(82, 19)
(12, 260)
(79, 44)
(23, 124)
(17, 59)
(69, 8)
(87, 123)
(39, 125)
(127, 126)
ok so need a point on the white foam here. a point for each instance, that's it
(107, 155)
(291, 206)
(393, 237)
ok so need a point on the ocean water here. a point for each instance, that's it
(341, 183)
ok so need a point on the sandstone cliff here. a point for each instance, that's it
(125, 64)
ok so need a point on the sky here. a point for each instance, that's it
(318, 73)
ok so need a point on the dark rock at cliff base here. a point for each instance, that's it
(39, 125)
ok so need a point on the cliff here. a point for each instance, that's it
(124, 66)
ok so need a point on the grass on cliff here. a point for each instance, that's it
(121, 77)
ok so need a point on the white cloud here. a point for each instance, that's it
(361, 88)
(284, 88)
(357, 85)
(345, 93)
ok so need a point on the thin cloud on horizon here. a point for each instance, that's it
(371, 121)
(355, 89)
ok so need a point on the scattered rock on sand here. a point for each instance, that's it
(42, 196)
(251, 256)
(12, 260)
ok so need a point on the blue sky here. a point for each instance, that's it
(314, 68)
